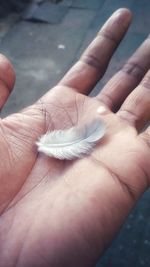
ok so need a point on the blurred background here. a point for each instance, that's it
(43, 39)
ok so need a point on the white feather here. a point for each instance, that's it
(71, 143)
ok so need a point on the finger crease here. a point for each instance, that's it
(146, 85)
(125, 187)
(106, 99)
(92, 61)
(129, 116)
(145, 175)
(107, 36)
(134, 70)
(146, 82)
(146, 138)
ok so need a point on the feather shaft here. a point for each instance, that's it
(71, 143)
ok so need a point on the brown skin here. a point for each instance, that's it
(66, 213)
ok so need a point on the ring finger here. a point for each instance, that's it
(136, 108)
(124, 81)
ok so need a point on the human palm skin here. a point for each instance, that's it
(65, 213)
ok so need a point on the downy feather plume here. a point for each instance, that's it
(71, 143)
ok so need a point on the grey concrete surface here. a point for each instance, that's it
(42, 53)
(34, 51)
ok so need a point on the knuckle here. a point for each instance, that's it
(133, 69)
(92, 61)
(90, 58)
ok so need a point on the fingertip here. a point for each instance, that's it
(123, 10)
(118, 22)
(124, 16)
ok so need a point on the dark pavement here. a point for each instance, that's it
(42, 53)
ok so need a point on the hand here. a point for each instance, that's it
(65, 213)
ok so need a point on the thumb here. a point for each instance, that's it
(7, 79)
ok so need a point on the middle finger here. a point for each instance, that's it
(93, 63)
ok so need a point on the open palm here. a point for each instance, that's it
(65, 213)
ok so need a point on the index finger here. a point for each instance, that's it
(93, 63)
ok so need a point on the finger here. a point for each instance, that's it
(136, 108)
(121, 85)
(93, 63)
(7, 79)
